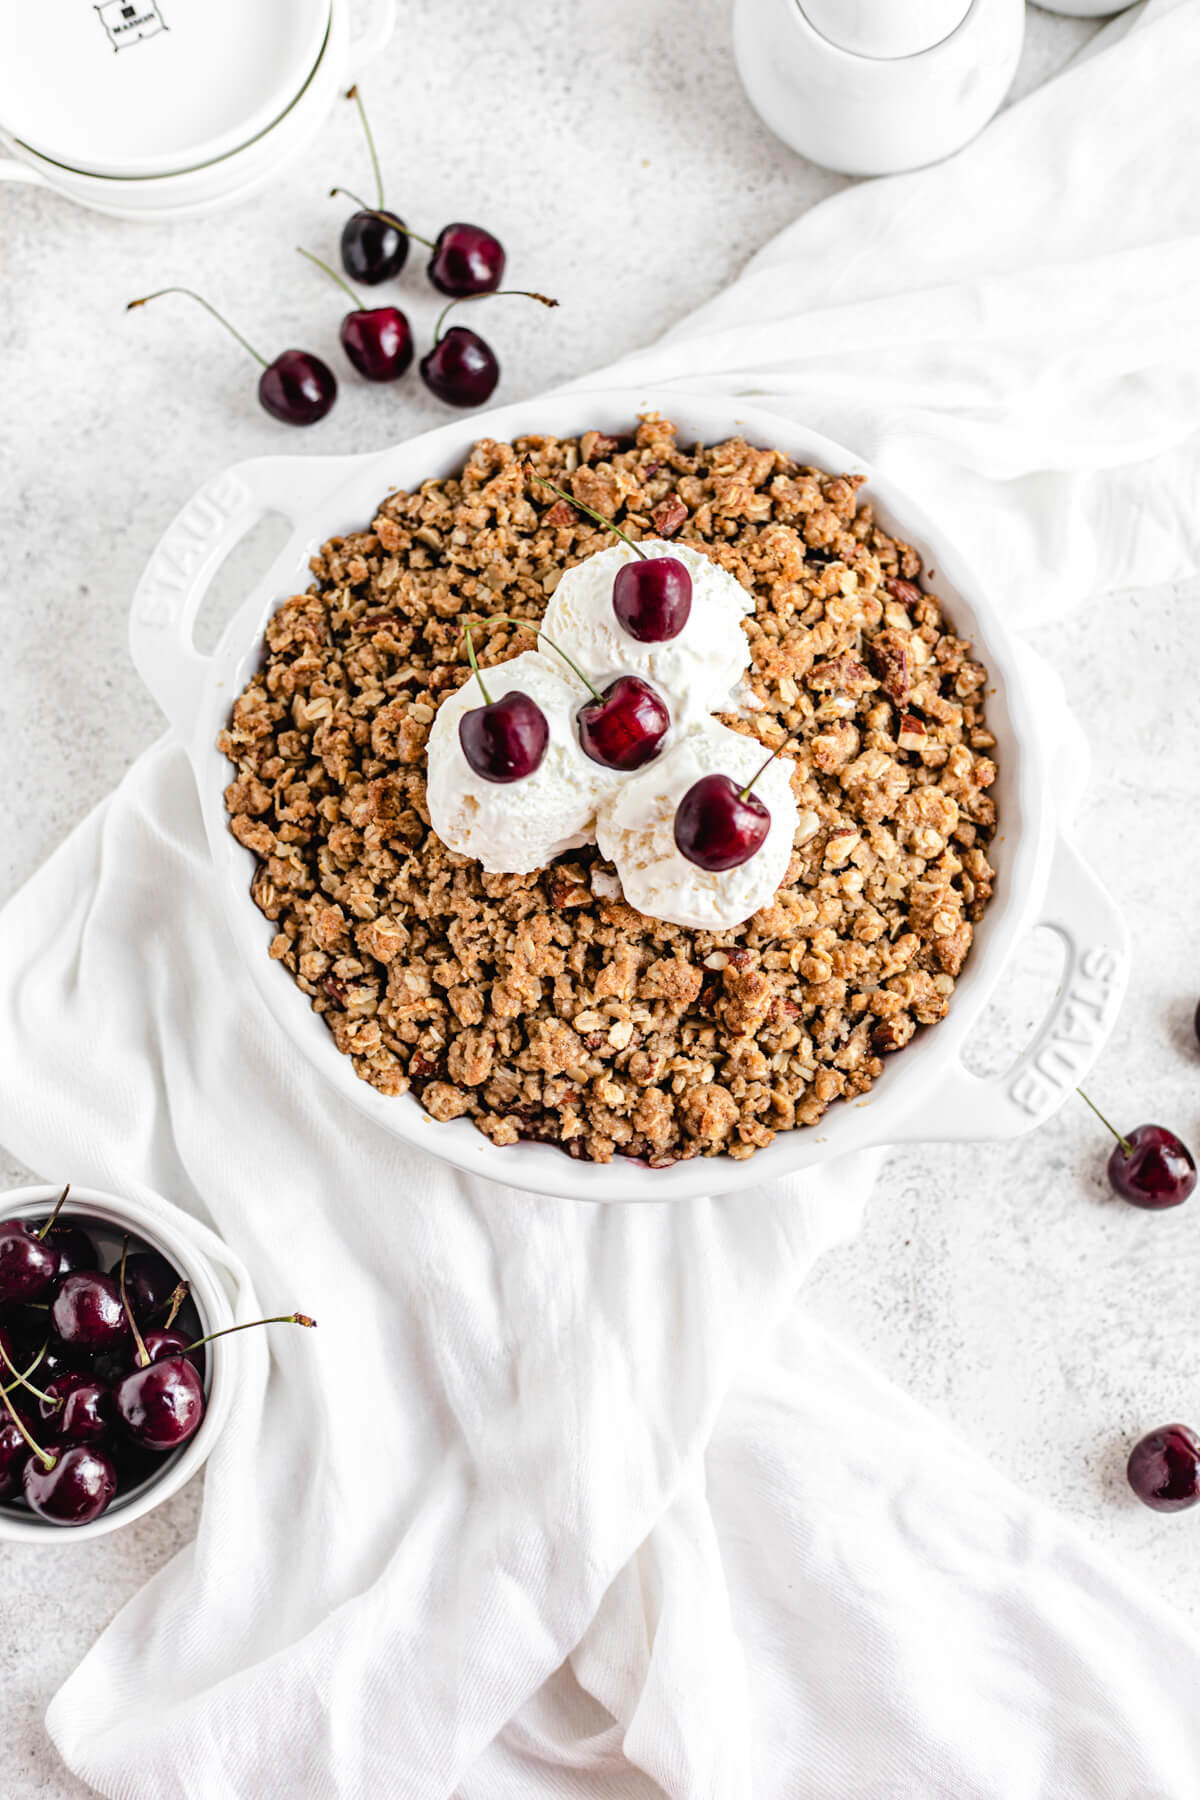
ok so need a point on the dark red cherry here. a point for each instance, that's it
(506, 739)
(77, 1408)
(297, 388)
(13, 1453)
(28, 1263)
(625, 727)
(461, 368)
(374, 241)
(87, 1314)
(466, 260)
(374, 248)
(162, 1343)
(150, 1283)
(1158, 1170)
(379, 343)
(718, 825)
(652, 597)
(75, 1490)
(1164, 1468)
(1196, 1021)
(161, 1406)
(75, 1249)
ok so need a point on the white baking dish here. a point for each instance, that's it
(925, 1091)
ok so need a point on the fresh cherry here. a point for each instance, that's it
(378, 341)
(76, 1408)
(164, 1342)
(503, 740)
(1150, 1167)
(1164, 1468)
(374, 241)
(161, 1405)
(624, 727)
(75, 1488)
(719, 825)
(461, 368)
(466, 260)
(29, 1264)
(297, 388)
(653, 598)
(150, 1283)
(75, 1249)
(14, 1451)
(87, 1313)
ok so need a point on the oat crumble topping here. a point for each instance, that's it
(543, 1006)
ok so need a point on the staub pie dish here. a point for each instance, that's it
(868, 770)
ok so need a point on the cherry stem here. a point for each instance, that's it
(353, 94)
(174, 1303)
(21, 1381)
(57, 1209)
(1125, 1144)
(278, 1319)
(609, 524)
(333, 276)
(143, 1355)
(762, 771)
(471, 658)
(20, 1378)
(495, 294)
(201, 301)
(47, 1461)
(524, 624)
(381, 212)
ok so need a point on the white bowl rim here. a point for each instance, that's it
(223, 1358)
(324, 496)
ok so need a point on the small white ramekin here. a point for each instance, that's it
(221, 1359)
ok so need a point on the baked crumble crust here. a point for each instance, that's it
(543, 1006)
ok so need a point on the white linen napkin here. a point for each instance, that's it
(564, 1500)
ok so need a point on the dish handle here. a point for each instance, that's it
(965, 1107)
(189, 553)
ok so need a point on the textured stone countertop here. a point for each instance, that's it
(1000, 1284)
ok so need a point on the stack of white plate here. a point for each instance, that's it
(163, 108)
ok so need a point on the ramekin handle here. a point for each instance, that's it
(966, 1107)
(189, 553)
(371, 41)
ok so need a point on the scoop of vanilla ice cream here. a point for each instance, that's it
(514, 827)
(696, 671)
(636, 831)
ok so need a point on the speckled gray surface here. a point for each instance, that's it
(624, 170)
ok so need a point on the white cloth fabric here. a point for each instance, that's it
(566, 1500)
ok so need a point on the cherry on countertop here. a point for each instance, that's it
(374, 241)
(377, 340)
(466, 260)
(297, 388)
(1164, 1468)
(1150, 1167)
(461, 368)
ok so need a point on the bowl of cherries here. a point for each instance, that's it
(117, 1367)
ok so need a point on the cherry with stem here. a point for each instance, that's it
(374, 241)
(21, 1379)
(652, 597)
(29, 1265)
(297, 388)
(377, 340)
(461, 368)
(503, 740)
(1150, 1167)
(621, 728)
(719, 825)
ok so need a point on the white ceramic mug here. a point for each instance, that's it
(872, 87)
(230, 166)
